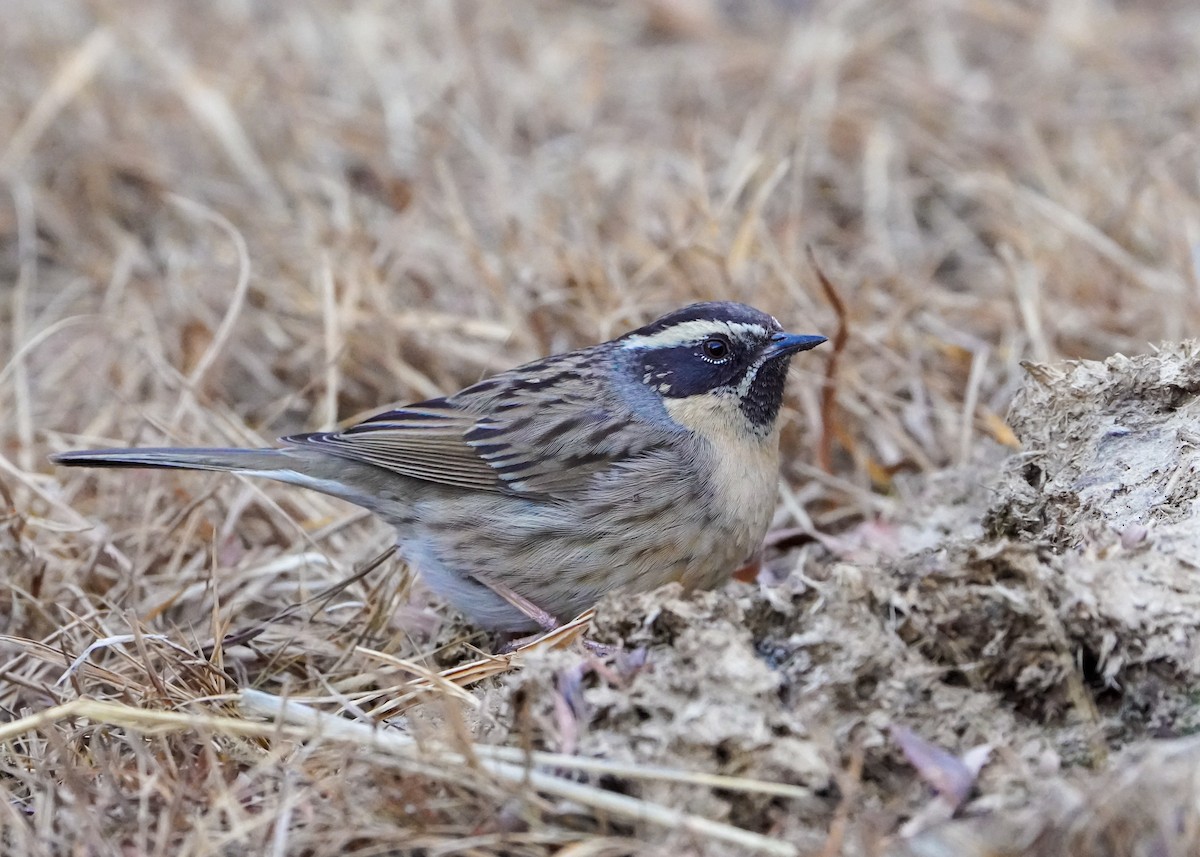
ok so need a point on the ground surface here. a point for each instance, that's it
(976, 629)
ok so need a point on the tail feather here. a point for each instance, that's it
(254, 460)
(355, 481)
(387, 493)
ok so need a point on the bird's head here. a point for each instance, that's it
(717, 362)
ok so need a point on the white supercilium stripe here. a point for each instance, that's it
(688, 332)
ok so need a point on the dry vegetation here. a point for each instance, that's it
(223, 222)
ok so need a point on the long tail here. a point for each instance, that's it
(354, 481)
(254, 461)
(357, 481)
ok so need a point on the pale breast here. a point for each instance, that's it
(741, 474)
(744, 484)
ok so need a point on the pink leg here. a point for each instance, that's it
(748, 573)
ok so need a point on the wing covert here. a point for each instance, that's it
(422, 441)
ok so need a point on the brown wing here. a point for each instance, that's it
(539, 430)
(423, 441)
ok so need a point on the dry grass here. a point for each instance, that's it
(224, 222)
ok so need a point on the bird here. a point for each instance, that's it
(524, 498)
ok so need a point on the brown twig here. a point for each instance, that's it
(829, 383)
(849, 781)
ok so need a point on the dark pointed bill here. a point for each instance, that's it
(790, 343)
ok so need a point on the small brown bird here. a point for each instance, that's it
(524, 498)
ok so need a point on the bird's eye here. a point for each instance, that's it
(715, 348)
